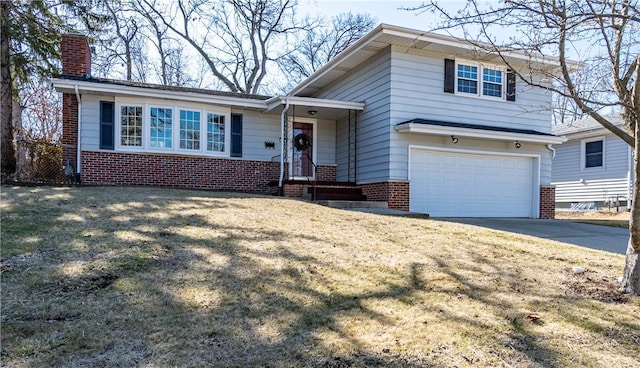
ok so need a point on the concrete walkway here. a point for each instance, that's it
(607, 238)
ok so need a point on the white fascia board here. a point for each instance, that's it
(345, 54)
(105, 88)
(477, 133)
(464, 45)
(412, 34)
(274, 102)
(590, 133)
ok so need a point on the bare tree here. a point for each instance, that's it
(42, 107)
(607, 33)
(238, 39)
(29, 39)
(320, 44)
(120, 40)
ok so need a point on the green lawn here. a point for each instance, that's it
(124, 277)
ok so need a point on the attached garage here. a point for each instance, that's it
(472, 184)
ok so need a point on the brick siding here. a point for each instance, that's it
(547, 202)
(76, 55)
(395, 193)
(326, 173)
(69, 129)
(115, 168)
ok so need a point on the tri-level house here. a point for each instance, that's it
(424, 122)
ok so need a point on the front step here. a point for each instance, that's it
(324, 193)
(352, 204)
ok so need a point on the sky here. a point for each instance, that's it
(384, 11)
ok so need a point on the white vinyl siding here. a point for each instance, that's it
(575, 184)
(91, 121)
(258, 128)
(417, 80)
(369, 84)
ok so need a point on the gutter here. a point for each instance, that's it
(283, 116)
(79, 149)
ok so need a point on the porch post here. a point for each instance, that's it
(352, 146)
(283, 118)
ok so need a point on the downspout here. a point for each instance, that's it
(283, 116)
(553, 151)
(78, 162)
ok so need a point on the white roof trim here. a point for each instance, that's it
(274, 102)
(478, 133)
(416, 35)
(107, 88)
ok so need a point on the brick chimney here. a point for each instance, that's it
(76, 55)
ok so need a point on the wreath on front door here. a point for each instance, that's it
(302, 141)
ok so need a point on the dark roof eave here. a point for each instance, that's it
(164, 87)
(475, 126)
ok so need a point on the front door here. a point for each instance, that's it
(303, 149)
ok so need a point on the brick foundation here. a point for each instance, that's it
(547, 202)
(326, 173)
(395, 193)
(114, 168)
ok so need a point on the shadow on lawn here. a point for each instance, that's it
(120, 284)
(128, 283)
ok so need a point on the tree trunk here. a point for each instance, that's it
(631, 276)
(7, 151)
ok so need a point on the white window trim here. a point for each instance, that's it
(481, 67)
(118, 127)
(583, 152)
(147, 118)
(202, 121)
(175, 133)
(227, 133)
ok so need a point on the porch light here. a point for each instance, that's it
(312, 112)
(454, 139)
(517, 144)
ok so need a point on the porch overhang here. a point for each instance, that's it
(322, 107)
(421, 126)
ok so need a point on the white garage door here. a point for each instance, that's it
(446, 184)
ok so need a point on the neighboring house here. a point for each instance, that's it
(424, 122)
(593, 169)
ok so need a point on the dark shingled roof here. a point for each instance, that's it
(166, 88)
(474, 126)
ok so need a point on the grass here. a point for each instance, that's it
(161, 278)
(604, 218)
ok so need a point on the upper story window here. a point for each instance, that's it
(469, 82)
(592, 153)
(467, 79)
(471, 78)
(492, 82)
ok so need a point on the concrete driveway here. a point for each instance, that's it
(607, 238)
